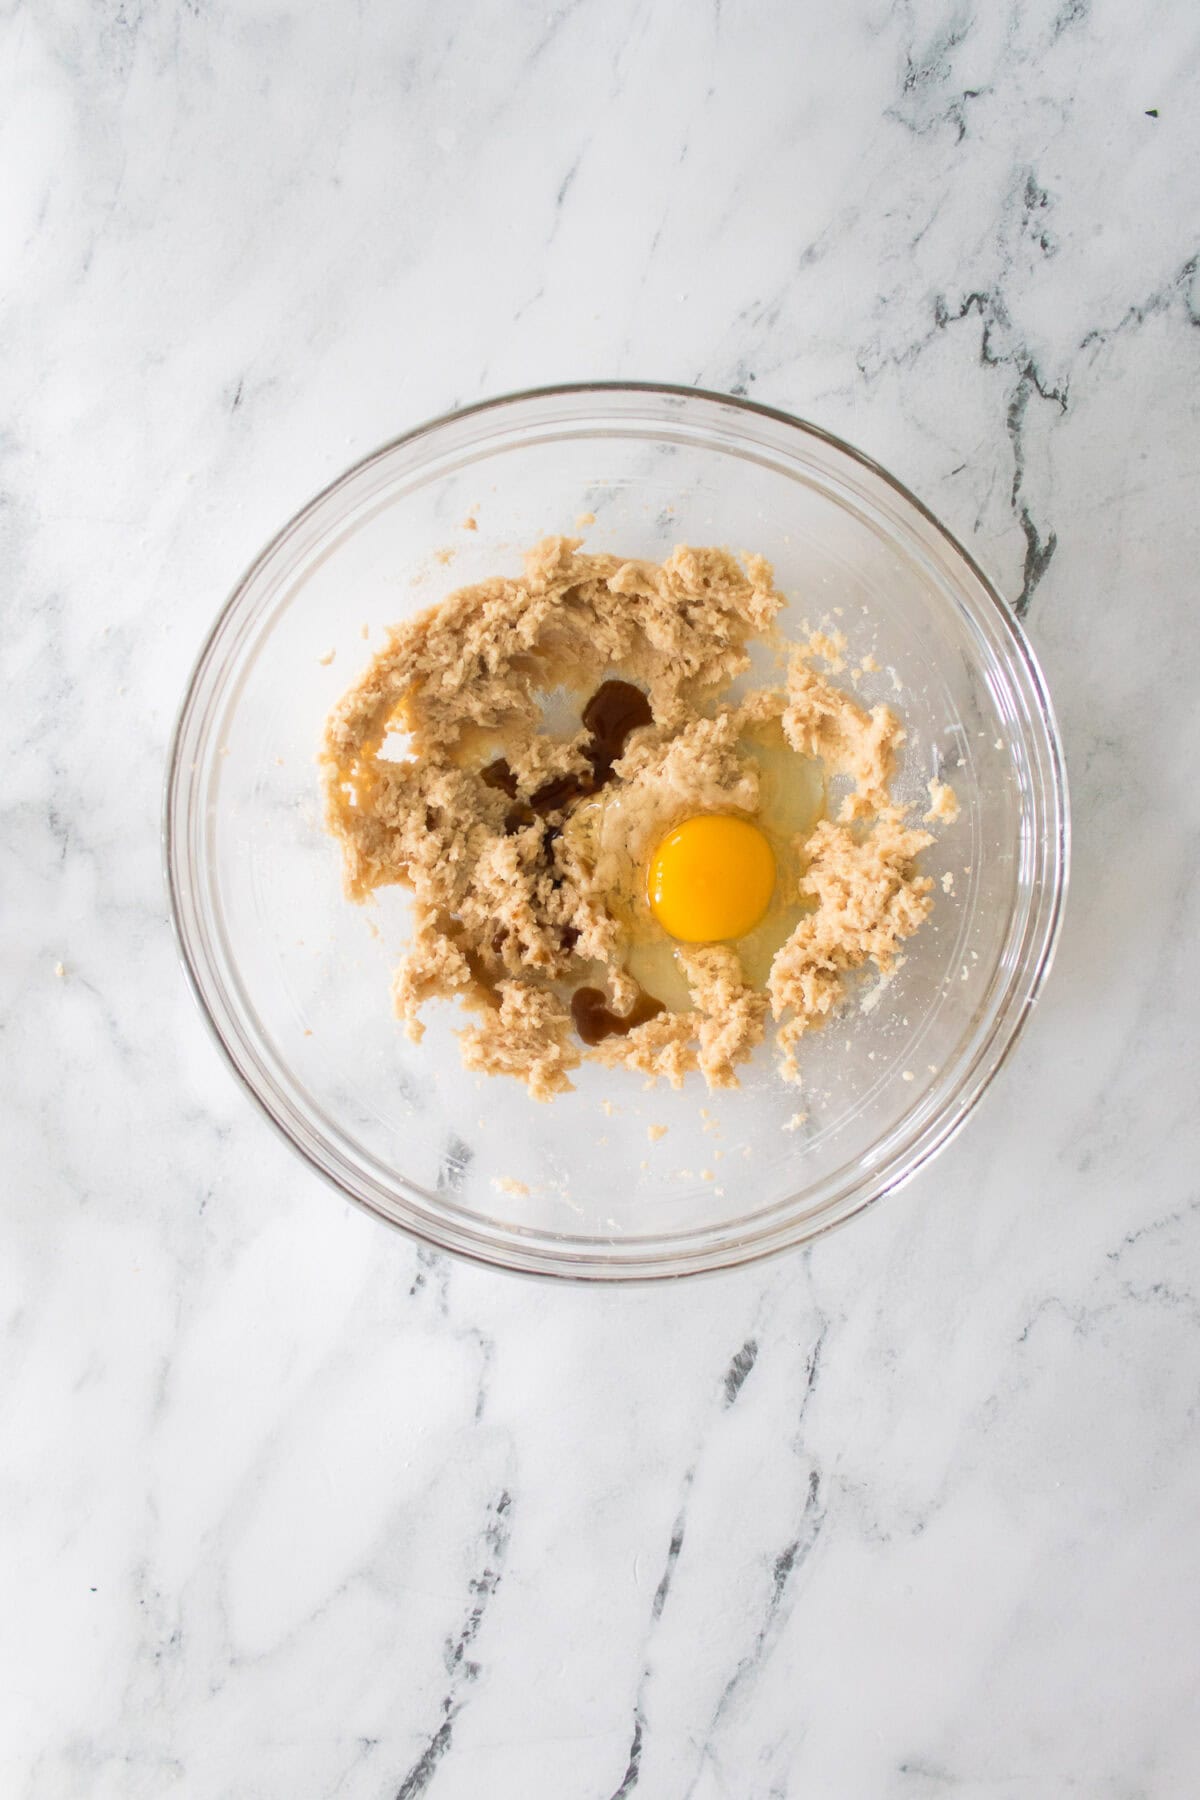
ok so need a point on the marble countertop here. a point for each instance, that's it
(291, 1508)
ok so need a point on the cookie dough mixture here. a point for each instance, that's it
(521, 844)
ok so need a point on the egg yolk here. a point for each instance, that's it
(711, 879)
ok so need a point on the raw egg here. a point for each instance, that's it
(711, 879)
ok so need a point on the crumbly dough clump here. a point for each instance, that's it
(511, 901)
(869, 898)
(722, 1030)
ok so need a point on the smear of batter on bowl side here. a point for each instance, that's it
(527, 849)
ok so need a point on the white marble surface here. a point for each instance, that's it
(290, 1509)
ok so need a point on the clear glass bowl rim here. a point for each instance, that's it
(525, 1254)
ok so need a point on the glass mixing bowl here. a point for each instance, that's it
(295, 981)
